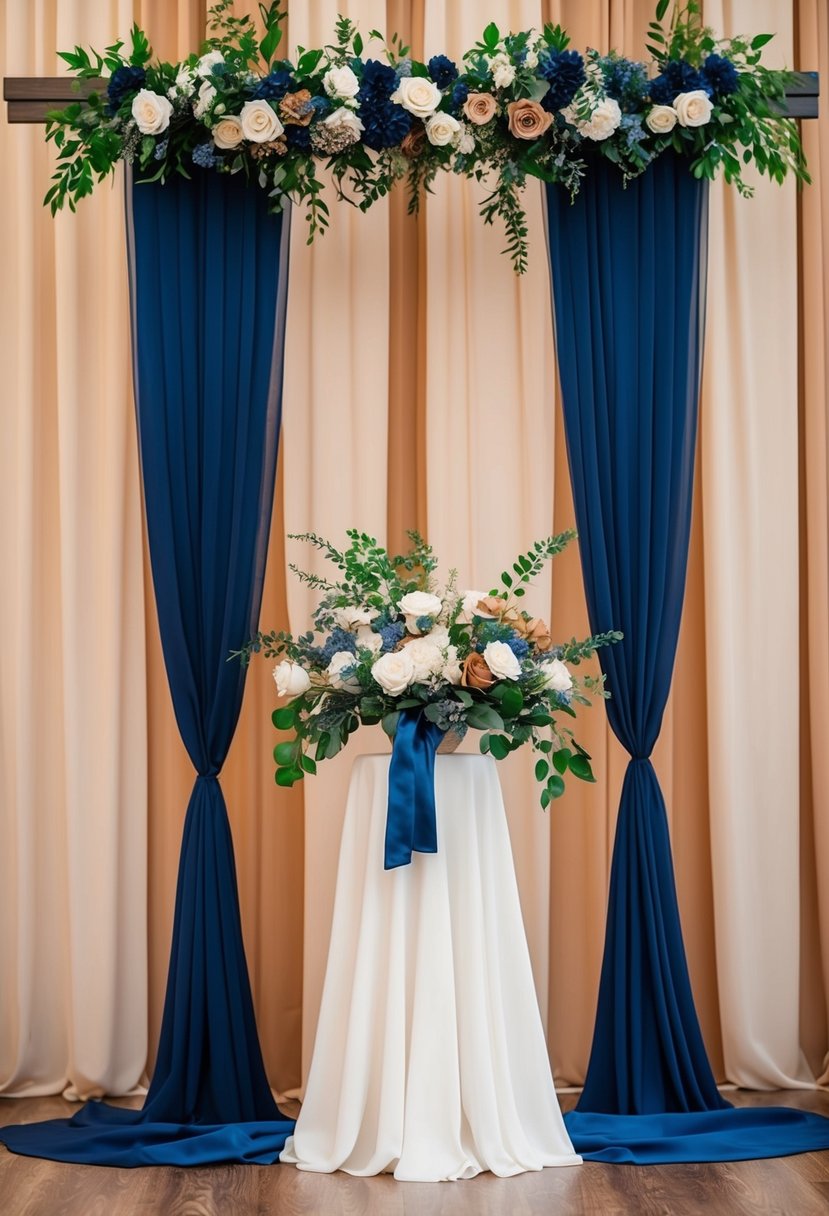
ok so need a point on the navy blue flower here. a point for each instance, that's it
(459, 95)
(564, 70)
(378, 83)
(677, 76)
(392, 634)
(721, 75)
(384, 123)
(626, 81)
(122, 82)
(274, 86)
(204, 156)
(298, 137)
(442, 70)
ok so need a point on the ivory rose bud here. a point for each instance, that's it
(501, 661)
(480, 108)
(693, 109)
(418, 604)
(442, 129)
(340, 671)
(475, 672)
(228, 132)
(417, 94)
(291, 679)
(536, 632)
(151, 112)
(557, 676)
(661, 119)
(341, 83)
(394, 672)
(259, 122)
(527, 119)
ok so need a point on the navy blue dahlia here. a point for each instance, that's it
(378, 83)
(442, 70)
(564, 70)
(721, 75)
(122, 82)
(273, 87)
(677, 76)
(384, 123)
(459, 95)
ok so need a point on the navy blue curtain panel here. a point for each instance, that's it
(628, 268)
(208, 268)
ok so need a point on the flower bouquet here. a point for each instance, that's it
(387, 640)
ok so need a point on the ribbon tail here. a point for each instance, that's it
(411, 820)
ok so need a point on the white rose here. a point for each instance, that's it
(340, 83)
(602, 122)
(556, 676)
(351, 617)
(394, 672)
(291, 679)
(206, 95)
(417, 94)
(340, 671)
(151, 112)
(442, 129)
(661, 119)
(501, 70)
(417, 604)
(693, 109)
(367, 639)
(259, 122)
(501, 661)
(469, 608)
(228, 133)
(466, 141)
(344, 119)
(207, 62)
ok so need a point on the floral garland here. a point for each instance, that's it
(387, 639)
(519, 105)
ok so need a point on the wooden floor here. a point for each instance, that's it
(788, 1186)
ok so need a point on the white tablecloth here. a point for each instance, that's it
(430, 1058)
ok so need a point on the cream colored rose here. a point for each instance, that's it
(341, 83)
(418, 604)
(501, 661)
(291, 679)
(417, 94)
(693, 109)
(480, 108)
(259, 122)
(207, 63)
(151, 112)
(228, 133)
(352, 617)
(661, 119)
(556, 676)
(442, 129)
(394, 672)
(206, 96)
(340, 671)
(527, 119)
(602, 122)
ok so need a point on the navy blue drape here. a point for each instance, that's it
(411, 818)
(208, 276)
(628, 272)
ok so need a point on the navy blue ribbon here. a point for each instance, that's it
(411, 824)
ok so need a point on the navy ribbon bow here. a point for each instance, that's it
(411, 824)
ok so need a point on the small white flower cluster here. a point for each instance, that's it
(692, 109)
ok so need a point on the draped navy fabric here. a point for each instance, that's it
(411, 822)
(208, 275)
(628, 272)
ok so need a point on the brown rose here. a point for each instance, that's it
(494, 605)
(480, 108)
(527, 119)
(476, 673)
(414, 141)
(295, 109)
(535, 631)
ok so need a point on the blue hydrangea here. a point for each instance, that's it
(392, 634)
(384, 123)
(321, 105)
(424, 623)
(564, 70)
(721, 75)
(459, 95)
(161, 149)
(204, 156)
(273, 87)
(122, 82)
(677, 76)
(520, 647)
(492, 631)
(339, 639)
(403, 68)
(442, 70)
(626, 81)
(563, 698)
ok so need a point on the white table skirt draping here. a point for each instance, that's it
(430, 1059)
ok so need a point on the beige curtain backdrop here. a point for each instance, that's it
(420, 391)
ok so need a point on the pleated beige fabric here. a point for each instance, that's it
(420, 391)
